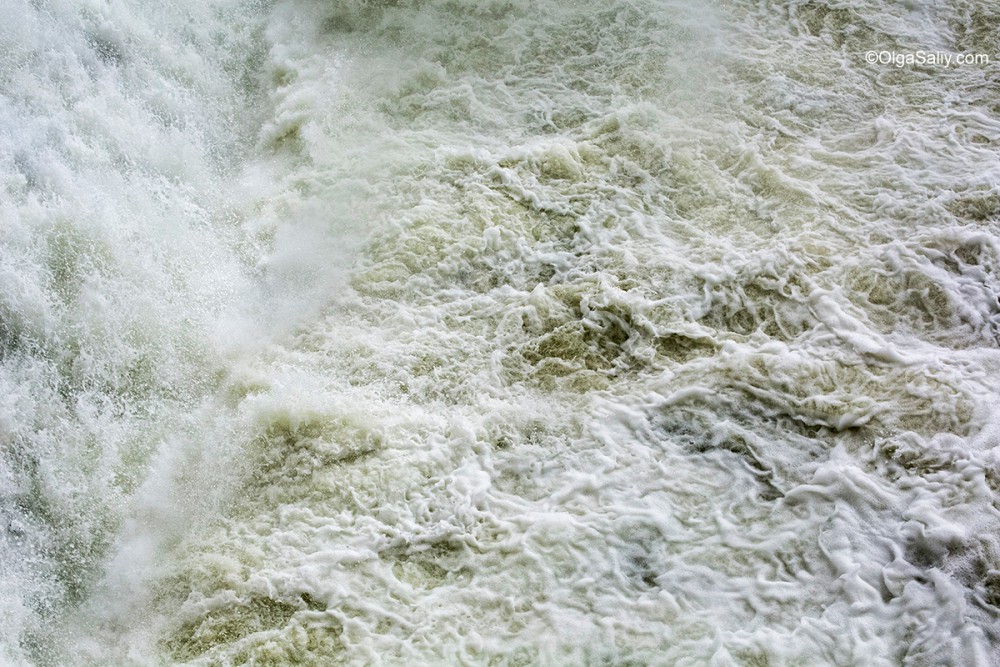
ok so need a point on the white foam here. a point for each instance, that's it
(560, 333)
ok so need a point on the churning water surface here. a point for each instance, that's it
(507, 332)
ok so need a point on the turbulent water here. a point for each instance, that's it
(508, 332)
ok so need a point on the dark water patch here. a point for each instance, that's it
(751, 658)
(991, 591)
(225, 625)
(976, 206)
(684, 347)
(294, 456)
(908, 454)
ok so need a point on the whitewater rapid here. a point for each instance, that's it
(432, 332)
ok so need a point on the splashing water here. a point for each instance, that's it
(498, 332)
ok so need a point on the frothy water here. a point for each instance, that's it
(498, 332)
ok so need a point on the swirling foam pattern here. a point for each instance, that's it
(498, 332)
